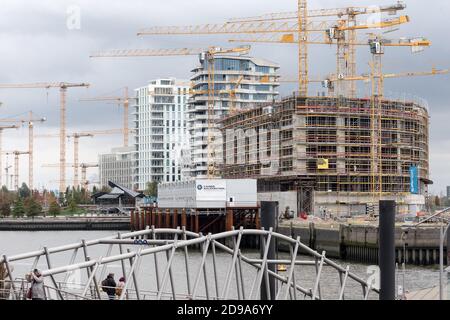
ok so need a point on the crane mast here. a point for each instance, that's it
(63, 86)
(2, 128)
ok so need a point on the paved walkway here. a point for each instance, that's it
(425, 294)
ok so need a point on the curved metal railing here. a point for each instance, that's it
(205, 278)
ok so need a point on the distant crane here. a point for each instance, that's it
(83, 166)
(8, 181)
(30, 121)
(16, 165)
(2, 128)
(125, 102)
(76, 137)
(207, 54)
(63, 86)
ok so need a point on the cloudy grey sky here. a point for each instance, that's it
(36, 45)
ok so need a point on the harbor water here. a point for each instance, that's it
(12, 243)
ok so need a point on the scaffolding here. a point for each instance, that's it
(345, 145)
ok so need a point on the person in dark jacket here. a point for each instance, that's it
(109, 285)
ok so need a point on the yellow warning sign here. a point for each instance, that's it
(322, 163)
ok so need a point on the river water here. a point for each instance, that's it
(12, 243)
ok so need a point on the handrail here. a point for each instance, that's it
(182, 240)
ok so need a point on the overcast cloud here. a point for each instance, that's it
(37, 46)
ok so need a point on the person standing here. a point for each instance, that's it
(109, 286)
(120, 287)
(37, 285)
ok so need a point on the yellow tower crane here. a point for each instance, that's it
(16, 165)
(345, 51)
(232, 94)
(376, 47)
(76, 139)
(298, 23)
(123, 101)
(209, 56)
(2, 128)
(30, 121)
(345, 64)
(377, 81)
(83, 166)
(63, 86)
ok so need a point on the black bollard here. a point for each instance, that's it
(269, 214)
(386, 242)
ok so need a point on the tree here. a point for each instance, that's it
(19, 209)
(72, 206)
(105, 189)
(5, 209)
(32, 207)
(437, 201)
(24, 191)
(61, 198)
(54, 208)
(151, 189)
(6, 200)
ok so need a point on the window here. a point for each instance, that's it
(262, 69)
(263, 87)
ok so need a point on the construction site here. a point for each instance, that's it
(329, 155)
(240, 151)
(335, 152)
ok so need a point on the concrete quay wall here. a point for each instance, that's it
(360, 242)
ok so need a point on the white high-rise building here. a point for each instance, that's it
(160, 118)
(253, 81)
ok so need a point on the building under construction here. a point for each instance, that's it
(327, 155)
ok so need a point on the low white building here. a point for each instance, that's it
(208, 194)
(117, 166)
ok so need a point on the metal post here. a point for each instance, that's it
(269, 213)
(387, 249)
(441, 261)
(443, 234)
